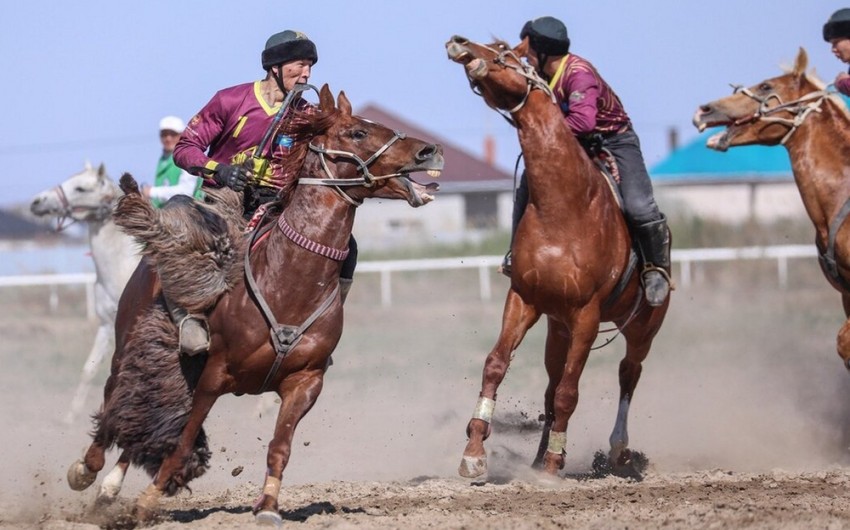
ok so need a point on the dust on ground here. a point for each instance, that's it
(742, 411)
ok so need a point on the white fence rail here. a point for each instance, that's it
(486, 266)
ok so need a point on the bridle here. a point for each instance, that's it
(800, 109)
(77, 213)
(366, 178)
(532, 79)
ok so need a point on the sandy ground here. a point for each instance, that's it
(742, 412)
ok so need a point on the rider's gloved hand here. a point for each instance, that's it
(234, 177)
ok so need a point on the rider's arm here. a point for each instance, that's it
(581, 91)
(202, 130)
(185, 186)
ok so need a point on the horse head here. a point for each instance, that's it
(766, 113)
(369, 159)
(496, 72)
(86, 196)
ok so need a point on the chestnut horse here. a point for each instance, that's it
(572, 257)
(295, 265)
(813, 124)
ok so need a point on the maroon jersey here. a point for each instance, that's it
(228, 130)
(588, 103)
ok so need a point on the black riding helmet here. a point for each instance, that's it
(287, 46)
(838, 25)
(547, 35)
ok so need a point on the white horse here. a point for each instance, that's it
(89, 197)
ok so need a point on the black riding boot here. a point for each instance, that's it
(193, 333)
(520, 203)
(654, 242)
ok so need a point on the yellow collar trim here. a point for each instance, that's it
(271, 111)
(559, 72)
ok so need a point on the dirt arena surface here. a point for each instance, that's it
(742, 411)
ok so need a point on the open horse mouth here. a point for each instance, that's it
(417, 194)
(721, 140)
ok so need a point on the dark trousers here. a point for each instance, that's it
(635, 187)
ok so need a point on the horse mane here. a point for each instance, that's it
(305, 124)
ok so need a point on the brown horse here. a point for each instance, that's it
(572, 257)
(796, 111)
(296, 266)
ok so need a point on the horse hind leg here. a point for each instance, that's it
(843, 341)
(102, 345)
(621, 460)
(111, 485)
(83, 472)
(517, 319)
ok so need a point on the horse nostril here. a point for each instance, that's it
(426, 153)
(705, 108)
(459, 40)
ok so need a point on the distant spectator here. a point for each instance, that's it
(171, 180)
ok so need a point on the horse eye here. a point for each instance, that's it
(80, 189)
(359, 134)
(765, 87)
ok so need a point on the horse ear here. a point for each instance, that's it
(87, 166)
(801, 62)
(326, 99)
(101, 171)
(343, 103)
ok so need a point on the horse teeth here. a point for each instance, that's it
(433, 173)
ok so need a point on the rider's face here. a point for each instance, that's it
(841, 48)
(168, 139)
(295, 72)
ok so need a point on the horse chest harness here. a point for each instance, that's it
(285, 337)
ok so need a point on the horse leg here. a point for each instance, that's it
(844, 333)
(171, 470)
(83, 473)
(578, 338)
(102, 344)
(298, 394)
(112, 482)
(557, 345)
(517, 319)
(639, 335)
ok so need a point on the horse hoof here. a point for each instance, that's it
(472, 466)
(79, 476)
(269, 518)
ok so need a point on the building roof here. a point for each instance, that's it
(462, 172)
(695, 162)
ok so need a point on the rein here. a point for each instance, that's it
(101, 212)
(532, 79)
(285, 337)
(799, 109)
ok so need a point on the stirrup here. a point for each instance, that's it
(196, 340)
(652, 298)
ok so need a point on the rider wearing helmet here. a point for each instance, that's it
(221, 140)
(594, 113)
(836, 32)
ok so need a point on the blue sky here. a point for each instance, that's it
(89, 80)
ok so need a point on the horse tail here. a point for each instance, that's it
(196, 248)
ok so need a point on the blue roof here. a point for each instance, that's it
(695, 161)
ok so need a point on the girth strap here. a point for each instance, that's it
(284, 337)
(827, 257)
